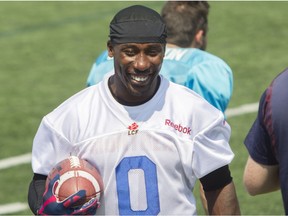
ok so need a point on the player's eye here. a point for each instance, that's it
(129, 52)
(154, 51)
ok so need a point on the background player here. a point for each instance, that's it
(148, 124)
(185, 61)
(267, 167)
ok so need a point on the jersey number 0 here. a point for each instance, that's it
(142, 169)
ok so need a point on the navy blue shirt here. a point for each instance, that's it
(267, 140)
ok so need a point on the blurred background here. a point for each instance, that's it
(47, 50)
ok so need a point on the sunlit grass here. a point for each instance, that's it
(47, 49)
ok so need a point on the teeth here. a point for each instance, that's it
(139, 78)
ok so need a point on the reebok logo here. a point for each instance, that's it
(178, 127)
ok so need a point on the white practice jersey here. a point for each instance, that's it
(149, 156)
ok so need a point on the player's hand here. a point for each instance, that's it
(88, 208)
(52, 206)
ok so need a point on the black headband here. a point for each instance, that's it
(137, 24)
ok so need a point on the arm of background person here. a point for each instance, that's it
(259, 179)
(203, 199)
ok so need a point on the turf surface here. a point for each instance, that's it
(47, 49)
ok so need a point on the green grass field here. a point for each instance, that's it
(47, 49)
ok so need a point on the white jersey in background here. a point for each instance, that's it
(149, 156)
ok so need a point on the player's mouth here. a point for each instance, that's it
(137, 79)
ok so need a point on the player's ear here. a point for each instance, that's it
(110, 49)
(200, 40)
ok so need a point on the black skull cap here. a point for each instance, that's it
(137, 24)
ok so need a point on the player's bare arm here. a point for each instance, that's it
(259, 179)
(223, 201)
(220, 193)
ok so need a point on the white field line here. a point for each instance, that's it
(12, 208)
(243, 109)
(26, 158)
(14, 161)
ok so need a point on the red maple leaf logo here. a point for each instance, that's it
(134, 126)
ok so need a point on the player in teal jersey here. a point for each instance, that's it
(186, 62)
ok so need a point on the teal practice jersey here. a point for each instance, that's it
(206, 74)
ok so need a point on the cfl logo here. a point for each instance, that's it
(133, 129)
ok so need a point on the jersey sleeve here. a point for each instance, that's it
(48, 148)
(211, 148)
(213, 80)
(258, 138)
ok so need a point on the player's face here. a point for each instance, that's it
(136, 70)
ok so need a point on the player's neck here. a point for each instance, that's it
(169, 45)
